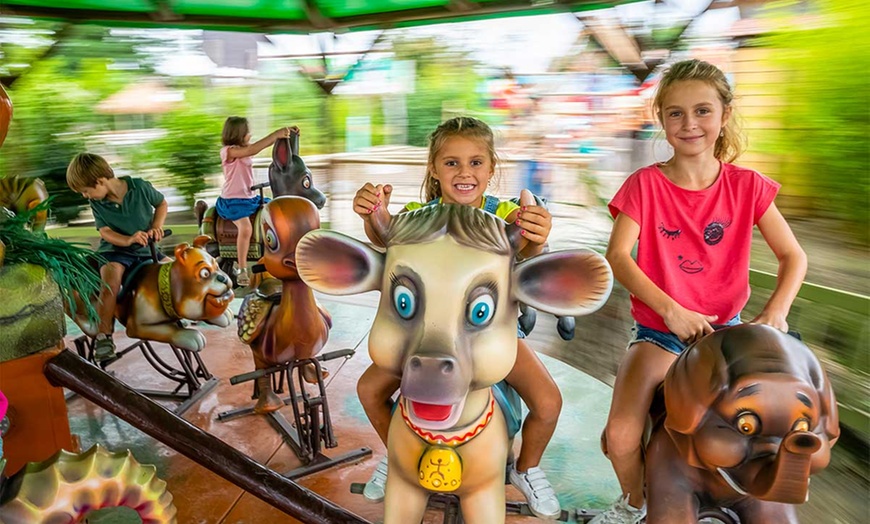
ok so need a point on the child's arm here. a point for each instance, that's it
(117, 239)
(686, 324)
(370, 203)
(792, 268)
(261, 144)
(156, 231)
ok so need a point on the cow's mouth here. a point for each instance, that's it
(431, 412)
(434, 416)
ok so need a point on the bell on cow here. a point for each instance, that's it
(440, 469)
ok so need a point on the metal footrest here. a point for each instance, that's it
(191, 377)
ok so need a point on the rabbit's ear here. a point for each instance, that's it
(281, 153)
(294, 143)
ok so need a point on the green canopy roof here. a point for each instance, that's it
(276, 16)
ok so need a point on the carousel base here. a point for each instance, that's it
(573, 462)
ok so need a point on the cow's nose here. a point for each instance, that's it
(445, 365)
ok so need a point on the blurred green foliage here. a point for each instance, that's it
(69, 70)
(825, 119)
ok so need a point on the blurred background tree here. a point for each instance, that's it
(56, 76)
(825, 118)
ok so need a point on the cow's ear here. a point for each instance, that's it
(337, 264)
(565, 283)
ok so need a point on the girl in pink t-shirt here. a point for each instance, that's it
(238, 201)
(692, 219)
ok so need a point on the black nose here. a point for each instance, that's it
(222, 278)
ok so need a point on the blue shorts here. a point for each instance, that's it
(238, 208)
(129, 260)
(667, 340)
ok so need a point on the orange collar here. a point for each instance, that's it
(455, 437)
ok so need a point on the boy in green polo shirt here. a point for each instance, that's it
(128, 212)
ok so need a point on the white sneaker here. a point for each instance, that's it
(533, 484)
(374, 490)
(621, 513)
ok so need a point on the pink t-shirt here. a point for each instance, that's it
(695, 245)
(238, 176)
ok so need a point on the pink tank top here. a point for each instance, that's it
(238, 175)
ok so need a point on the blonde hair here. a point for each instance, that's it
(85, 170)
(731, 143)
(235, 130)
(465, 127)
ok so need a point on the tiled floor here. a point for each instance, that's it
(580, 474)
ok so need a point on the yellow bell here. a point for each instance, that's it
(440, 469)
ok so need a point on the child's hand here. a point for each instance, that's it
(285, 132)
(534, 220)
(139, 237)
(155, 234)
(772, 318)
(371, 198)
(688, 325)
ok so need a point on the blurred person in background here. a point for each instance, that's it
(692, 218)
(238, 202)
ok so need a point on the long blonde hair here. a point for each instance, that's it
(464, 126)
(731, 143)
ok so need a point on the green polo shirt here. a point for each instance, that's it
(133, 214)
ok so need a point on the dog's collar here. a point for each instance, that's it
(164, 289)
(456, 437)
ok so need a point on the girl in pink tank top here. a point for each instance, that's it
(238, 201)
(692, 219)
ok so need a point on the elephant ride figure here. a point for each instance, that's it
(288, 175)
(154, 300)
(447, 325)
(286, 330)
(749, 415)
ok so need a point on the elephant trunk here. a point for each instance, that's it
(787, 479)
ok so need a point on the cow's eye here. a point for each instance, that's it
(271, 239)
(480, 310)
(404, 301)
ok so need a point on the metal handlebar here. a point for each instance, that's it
(153, 245)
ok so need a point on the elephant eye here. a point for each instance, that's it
(801, 424)
(748, 424)
(271, 239)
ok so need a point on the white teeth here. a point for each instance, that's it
(464, 187)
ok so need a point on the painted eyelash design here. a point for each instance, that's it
(667, 233)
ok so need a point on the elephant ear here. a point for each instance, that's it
(829, 417)
(693, 383)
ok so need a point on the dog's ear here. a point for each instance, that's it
(693, 383)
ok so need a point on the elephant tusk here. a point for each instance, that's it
(731, 482)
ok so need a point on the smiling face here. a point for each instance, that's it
(463, 168)
(692, 116)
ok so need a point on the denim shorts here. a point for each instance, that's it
(667, 340)
(129, 260)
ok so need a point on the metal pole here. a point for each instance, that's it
(70, 371)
